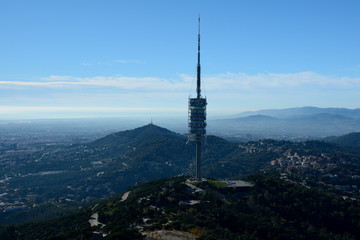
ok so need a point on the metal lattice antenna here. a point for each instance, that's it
(198, 89)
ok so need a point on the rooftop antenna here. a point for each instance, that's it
(197, 115)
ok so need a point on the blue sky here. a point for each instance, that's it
(90, 58)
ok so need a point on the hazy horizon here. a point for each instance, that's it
(144, 115)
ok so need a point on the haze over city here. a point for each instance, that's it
(64, 59)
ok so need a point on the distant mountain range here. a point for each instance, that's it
(302, 112)
(291, 123)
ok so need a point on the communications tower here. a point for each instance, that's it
(197, 115)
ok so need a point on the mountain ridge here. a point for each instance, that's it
(307, 110)
(298, 123)
(351, 139)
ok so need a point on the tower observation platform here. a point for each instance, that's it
(197, 119)
(197, 116)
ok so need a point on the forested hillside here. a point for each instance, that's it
(272, 209)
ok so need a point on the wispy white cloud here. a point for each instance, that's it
(10, 109)
(231, 81)
(281, 81)
(150, 83)
(229, 92)
(126, 61)
(55, 78)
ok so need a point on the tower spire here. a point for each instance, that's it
(197, 116)
(198, 89)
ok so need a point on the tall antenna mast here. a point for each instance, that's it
(197, 116)
(198, 89)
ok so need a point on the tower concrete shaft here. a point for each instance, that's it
(198, 160)
(197, 115)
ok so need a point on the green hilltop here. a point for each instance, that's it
(351, 139)
(271, 209)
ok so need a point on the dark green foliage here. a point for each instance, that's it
(8, 233)
(351, 139)
(275, 209)
(72, 226)
(312, 212)
(125, 234)
(40, 212)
